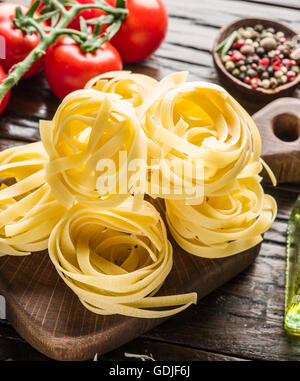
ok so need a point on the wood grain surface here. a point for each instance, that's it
(243, 319)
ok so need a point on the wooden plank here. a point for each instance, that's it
(11, 350)
(245, 316)
(164, 352)
(7, 332)
(279, 3)
(12, 347)
(217, 13)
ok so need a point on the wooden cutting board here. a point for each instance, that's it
(279, 126)
(48, 315)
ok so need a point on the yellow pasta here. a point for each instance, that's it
(134, 88)
(201, 122)
(89, 128)
(116, 260)
(223, 225)
(28, 212)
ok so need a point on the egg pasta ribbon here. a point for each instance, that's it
(28, 212)
(134, 88)
(223, 225)
(199, 121)
(116, 260)
(84, 141)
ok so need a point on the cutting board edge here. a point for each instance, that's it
(58, 349)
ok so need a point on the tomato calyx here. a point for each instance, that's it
(89, 43)
(26, 22)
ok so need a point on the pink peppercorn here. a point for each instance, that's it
(291, 75)
(236, 56)
(254, 82)
(276, 63)
(264, 61)
(286, 61)
(240, 43)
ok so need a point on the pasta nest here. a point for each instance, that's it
(202, 124)
(116, 260)
(87, 133)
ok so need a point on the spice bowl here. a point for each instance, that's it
(233, 83)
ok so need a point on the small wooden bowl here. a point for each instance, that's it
(232, 83)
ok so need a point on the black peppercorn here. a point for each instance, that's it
(256, 59)
(261, 69)
(260, 51)
(270, 70)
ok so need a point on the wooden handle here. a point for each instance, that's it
(279, 126)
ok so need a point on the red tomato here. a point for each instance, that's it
(68, 69)
(6, 97)
(142, 31)
(86, 14)
(17, 43)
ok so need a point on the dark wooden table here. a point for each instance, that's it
(243, 320)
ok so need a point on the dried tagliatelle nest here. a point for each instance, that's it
(116, 260)
(89, 128)
(107, 243)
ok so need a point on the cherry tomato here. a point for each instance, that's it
(17, 43)
(6, 97)
(142, 31)
(68, 69)
(86, 13)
